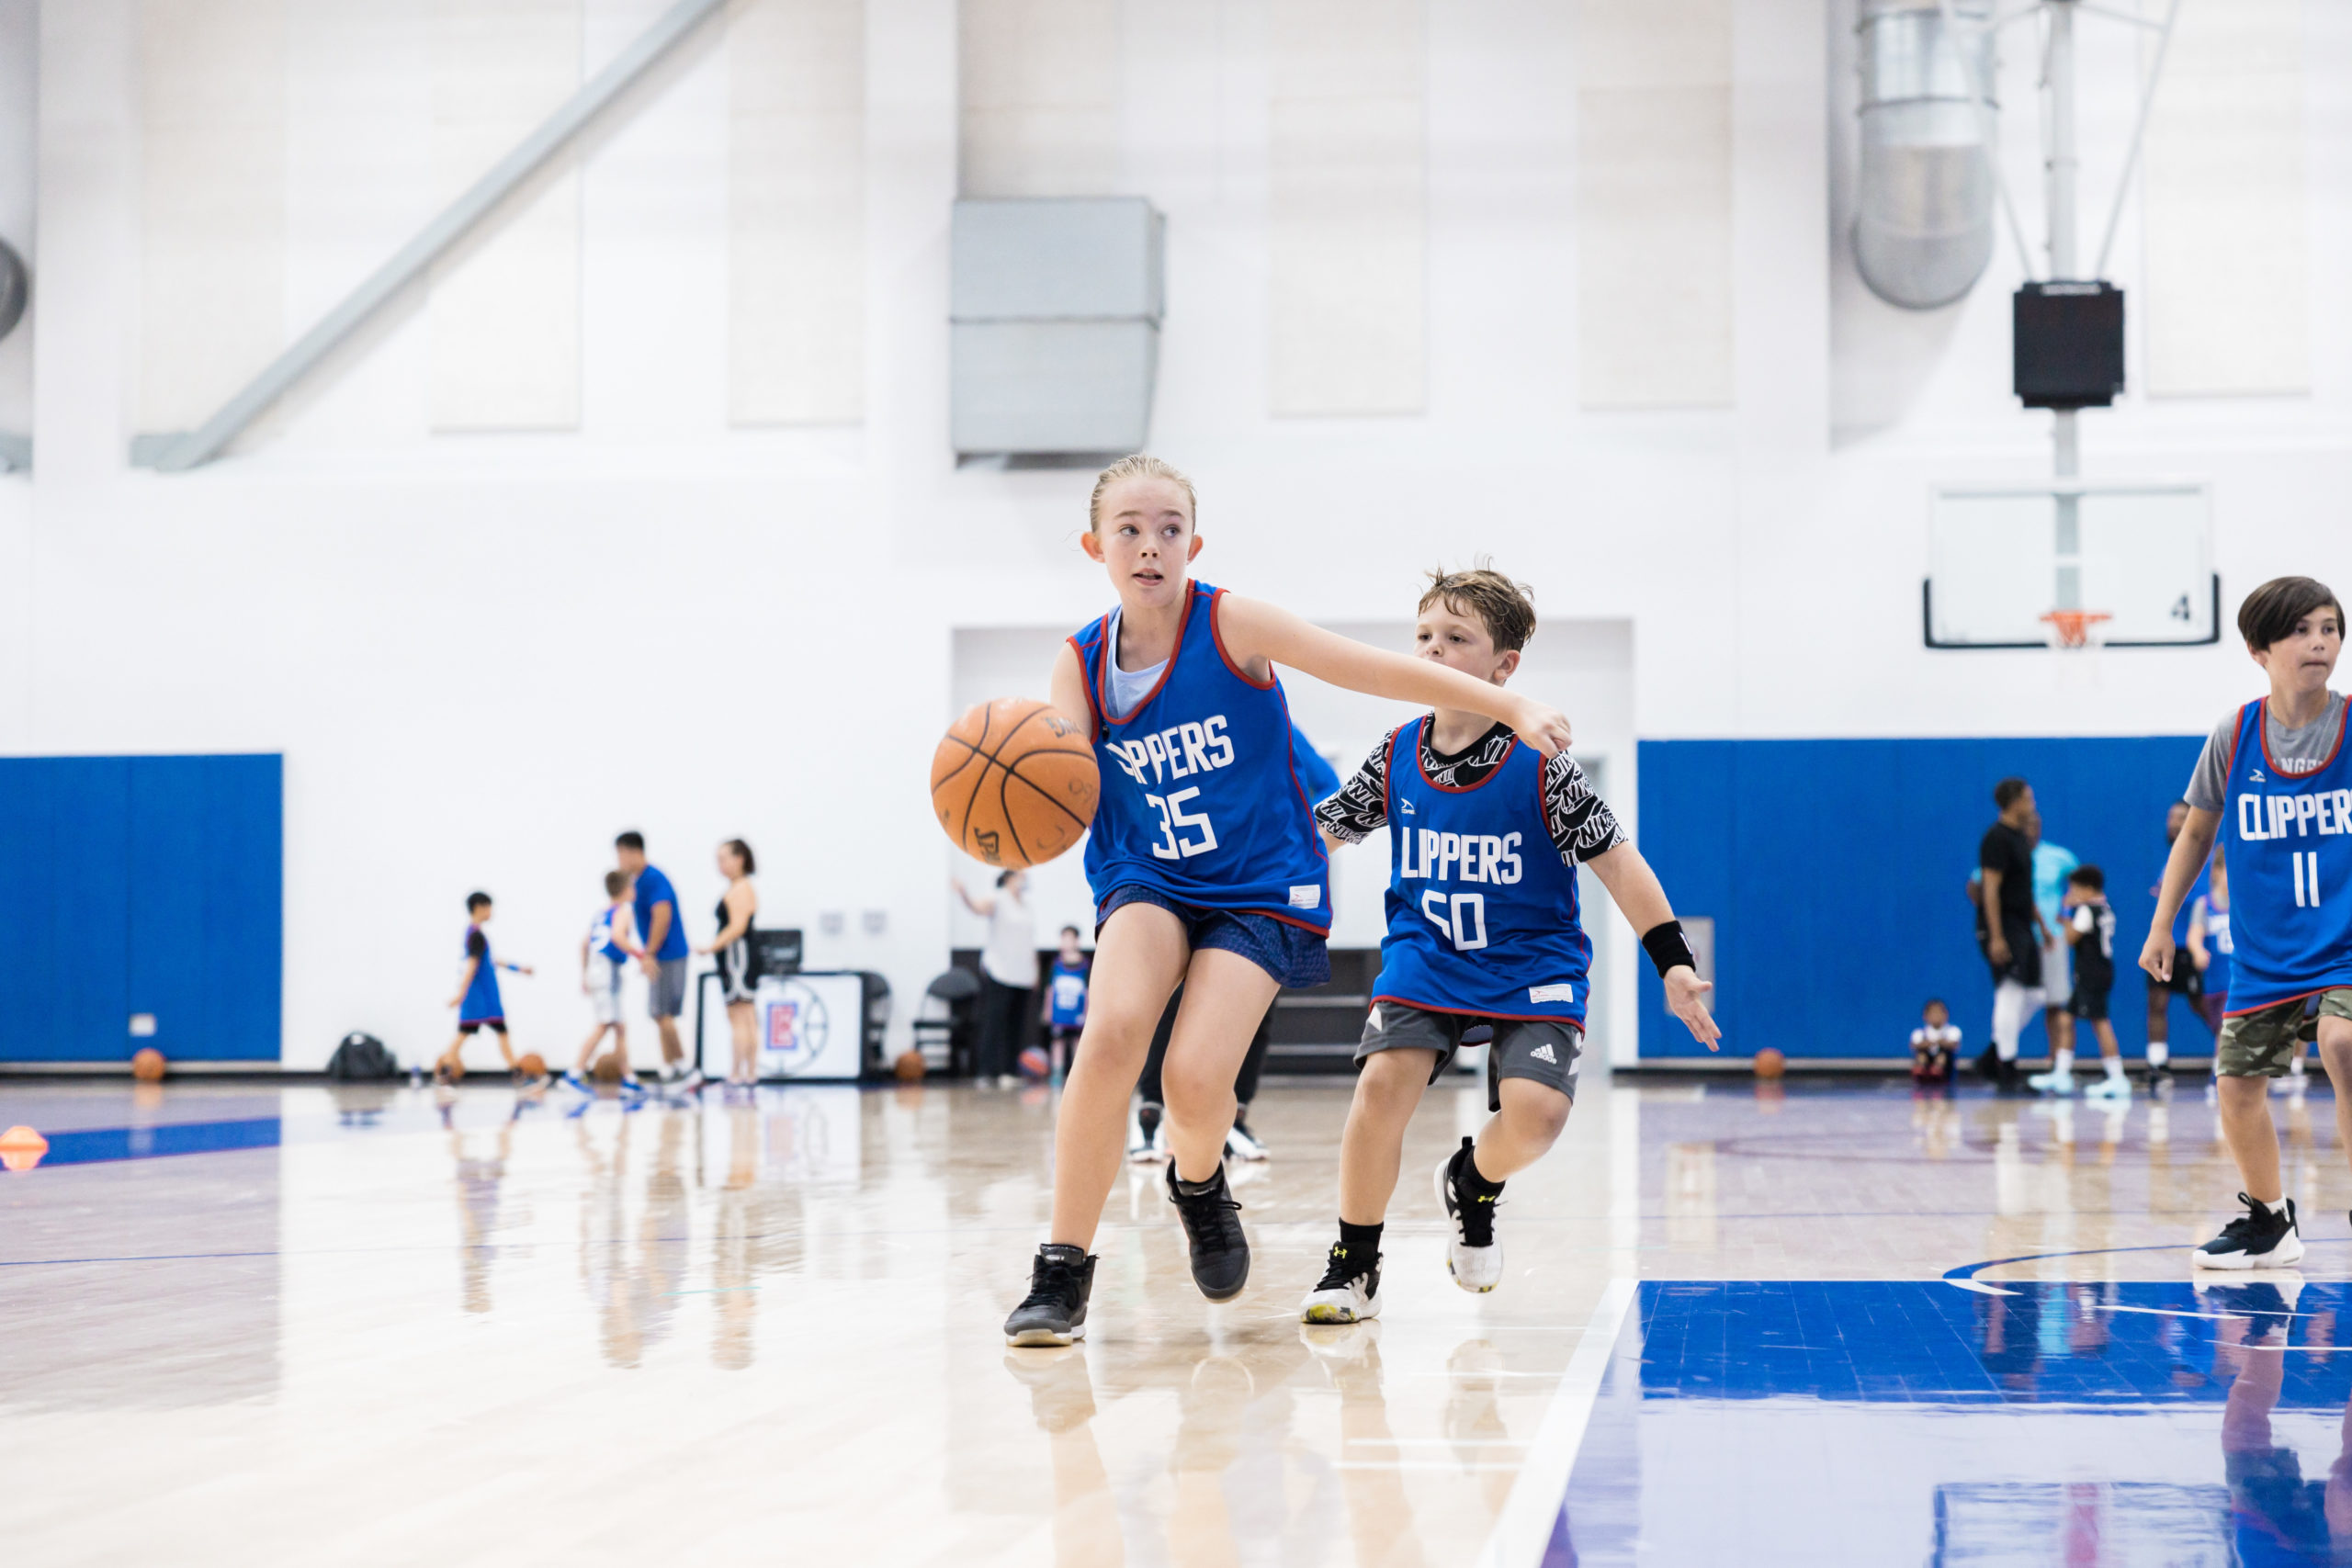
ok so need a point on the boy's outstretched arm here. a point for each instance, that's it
(2189, 854)
(1634, 887)
(1254, 629)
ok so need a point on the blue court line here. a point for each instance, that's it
(1966, 1272)
(98, 1145)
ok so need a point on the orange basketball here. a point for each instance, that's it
(908, 1067)
(532, 1066)
(608, 1068)
(1771, 1063)
(1013, 783)
(147, 1064)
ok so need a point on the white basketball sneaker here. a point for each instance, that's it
(1347, 1293)
(1472, 1254)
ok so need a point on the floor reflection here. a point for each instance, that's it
(1865, 1422)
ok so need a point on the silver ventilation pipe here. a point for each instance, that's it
(1923, 223)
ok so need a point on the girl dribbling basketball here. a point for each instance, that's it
(1203, 861)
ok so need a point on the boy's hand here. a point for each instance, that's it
(1545, 729)
(1686, 998)
(2157, 955)
(457, 1001)
(1996, 948)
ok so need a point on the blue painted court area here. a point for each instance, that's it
(2189, 1423)
(94, 1145)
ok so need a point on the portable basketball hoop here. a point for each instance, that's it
(2073, 628)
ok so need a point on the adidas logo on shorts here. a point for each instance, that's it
(1543, 1054)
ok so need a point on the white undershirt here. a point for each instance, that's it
(1010, 957)
(1128, 687)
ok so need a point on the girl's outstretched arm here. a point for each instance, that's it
(1254, 630)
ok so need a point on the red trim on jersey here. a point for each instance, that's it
(1297, 783)
(1424, 721)
(1284, 916)
(2263, 735)
(1388, 782)
(1093, 703)
(1217, 636)
(2282, 1001)
(1471, 1012)
(1111, 657)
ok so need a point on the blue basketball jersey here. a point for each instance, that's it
(1200, 799)
(1482, 913)
(2217, 947)
(1065, 987)
(482, 993)
(2289, 842)
(600, 937)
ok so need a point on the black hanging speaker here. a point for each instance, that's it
(2068, 345)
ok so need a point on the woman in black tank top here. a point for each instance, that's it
(732, 947)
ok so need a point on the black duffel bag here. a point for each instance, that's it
(361, 1058)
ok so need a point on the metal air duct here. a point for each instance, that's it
(1923, 222)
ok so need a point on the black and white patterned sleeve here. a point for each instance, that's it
(1362, 805)
(1582, 825)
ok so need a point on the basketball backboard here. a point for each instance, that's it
(2001, 558)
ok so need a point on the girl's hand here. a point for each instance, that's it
(524, 969)
(701, 949)
(457, 1001)
(1545, 729)
(1686, 998)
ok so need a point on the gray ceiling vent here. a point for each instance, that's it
(1055, 326)
(1923, 229)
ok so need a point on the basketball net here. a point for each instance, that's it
(2074, 628)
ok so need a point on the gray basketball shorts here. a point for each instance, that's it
(1543, 1049)
(665, 995)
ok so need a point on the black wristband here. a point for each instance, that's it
(1667, 946)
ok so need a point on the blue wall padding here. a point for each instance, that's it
(1836, 874)
(141, 885)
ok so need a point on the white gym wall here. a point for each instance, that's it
(715, 586)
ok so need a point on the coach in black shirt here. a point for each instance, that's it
(2004, 921)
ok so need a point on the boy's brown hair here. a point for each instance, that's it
(2270, 612)
(615, 883)
(1506, 609)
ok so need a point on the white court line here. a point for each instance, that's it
(1524, 1528)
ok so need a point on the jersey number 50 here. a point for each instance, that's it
(1173, 845)
(1458, 916)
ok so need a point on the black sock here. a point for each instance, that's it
(1194, 1189)
(1147, 1118)
(1360, 1241)
(1472, 1183)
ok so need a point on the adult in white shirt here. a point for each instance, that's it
(1008, 975)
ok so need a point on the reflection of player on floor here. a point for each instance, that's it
(478, 1002)
(732, 948)
(2274, 780)
(611, 942)
(1202, 860)
(1484, 932)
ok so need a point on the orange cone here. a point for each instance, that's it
(21, 1148)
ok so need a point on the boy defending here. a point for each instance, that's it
(2274, 782)
(1483, 933)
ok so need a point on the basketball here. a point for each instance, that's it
(1013, 783)
(908, 1067)
(608, 1068)
(1034, 1062)
(147, 1065)
(1771, 1063)
(532, 1066)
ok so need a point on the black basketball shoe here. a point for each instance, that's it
(1053, 1313)
(1213, 1224)
(2258, 1238)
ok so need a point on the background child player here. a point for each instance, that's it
(1202, 860)
(610, 944)
(1064, 1012)
(2274, 782)
(1483, 932)
(1935, 1044)
(478, 1002)
(2087, 923)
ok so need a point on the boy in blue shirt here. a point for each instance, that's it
(1486, 839)
(478, 1002)
(1066, 999)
